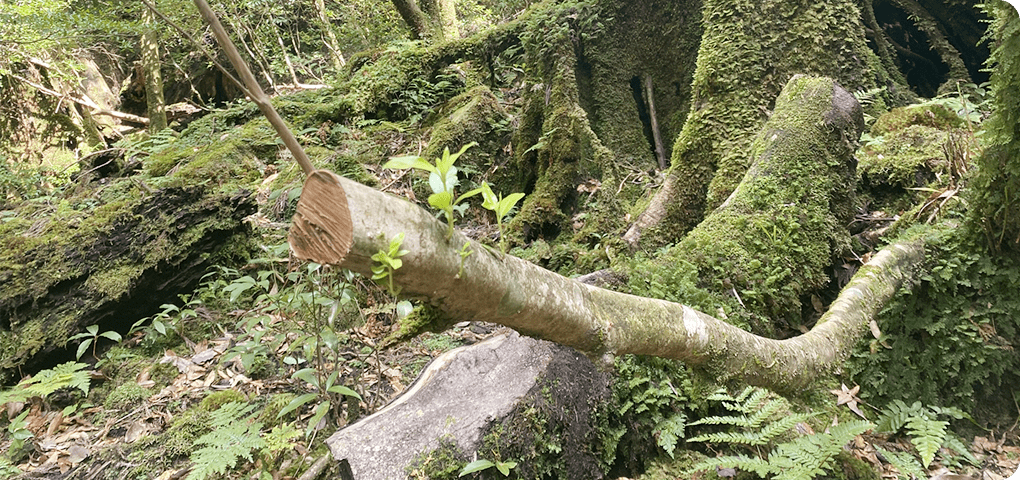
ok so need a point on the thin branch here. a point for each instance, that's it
(660, 151)
(84, 101)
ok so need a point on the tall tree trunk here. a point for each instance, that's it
(413, 17)
(443, 16)
(153, 78)
(329, 35)
(429, 19)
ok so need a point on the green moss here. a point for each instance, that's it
(932, 115)
(424, 318)
(907, 158)
(216, 400)
(950, 338)
(769, 245)
(743, 62)
(126, 396)
(473, 116)
(443, 463)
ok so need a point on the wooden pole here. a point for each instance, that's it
(257, 95)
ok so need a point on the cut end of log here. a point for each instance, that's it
(321, 230)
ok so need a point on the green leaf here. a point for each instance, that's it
(308, 375)
(489, 199)
(436, 183)
(296, 403)
(82, 348)
(507, 204)
(404, 308)
(342, 390)
(112, 336)
(441, 201)
(411, 161)
(159, 326)
(468, 195)
(504, 467)
(476, 466)
(320, 411)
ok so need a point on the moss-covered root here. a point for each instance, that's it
(748, 51)
(567, 153)
(772, 240)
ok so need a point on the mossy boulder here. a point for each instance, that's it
(932, 115)
(907, 158)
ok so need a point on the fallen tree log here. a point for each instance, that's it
(498, 288)
(108, 267)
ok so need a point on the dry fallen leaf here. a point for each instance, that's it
(848, 397)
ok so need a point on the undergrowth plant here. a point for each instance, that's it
(237, 434)
(443, 181)
(387, 261)
(927, 433)
(654, 398)
(72, 375)
(760, 425)
(501, 206)
(298, 313)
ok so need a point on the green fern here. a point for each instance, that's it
(668, 431)
(803, 458)
(927, 435)
(905, 463)
(926, 432)
(69, 375)
(812, 455)
(232, 437)
(953, 443)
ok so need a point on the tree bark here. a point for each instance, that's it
(155, 103)
(413, 17)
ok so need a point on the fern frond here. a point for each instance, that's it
(904, 462)
(70, 374)
(812, 455)
(732, 420)
(757, 465)
(895, 415)
(748, 391)
(668, 431)
(783, 425)
(721, 395)
(953, 443)
(740, 438)
(764, 411)
(927, 435)
(232, 438)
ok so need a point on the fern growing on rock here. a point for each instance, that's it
(759, 420)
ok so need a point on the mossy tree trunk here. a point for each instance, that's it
(149, 45)
(998, 180)
(434, 20)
